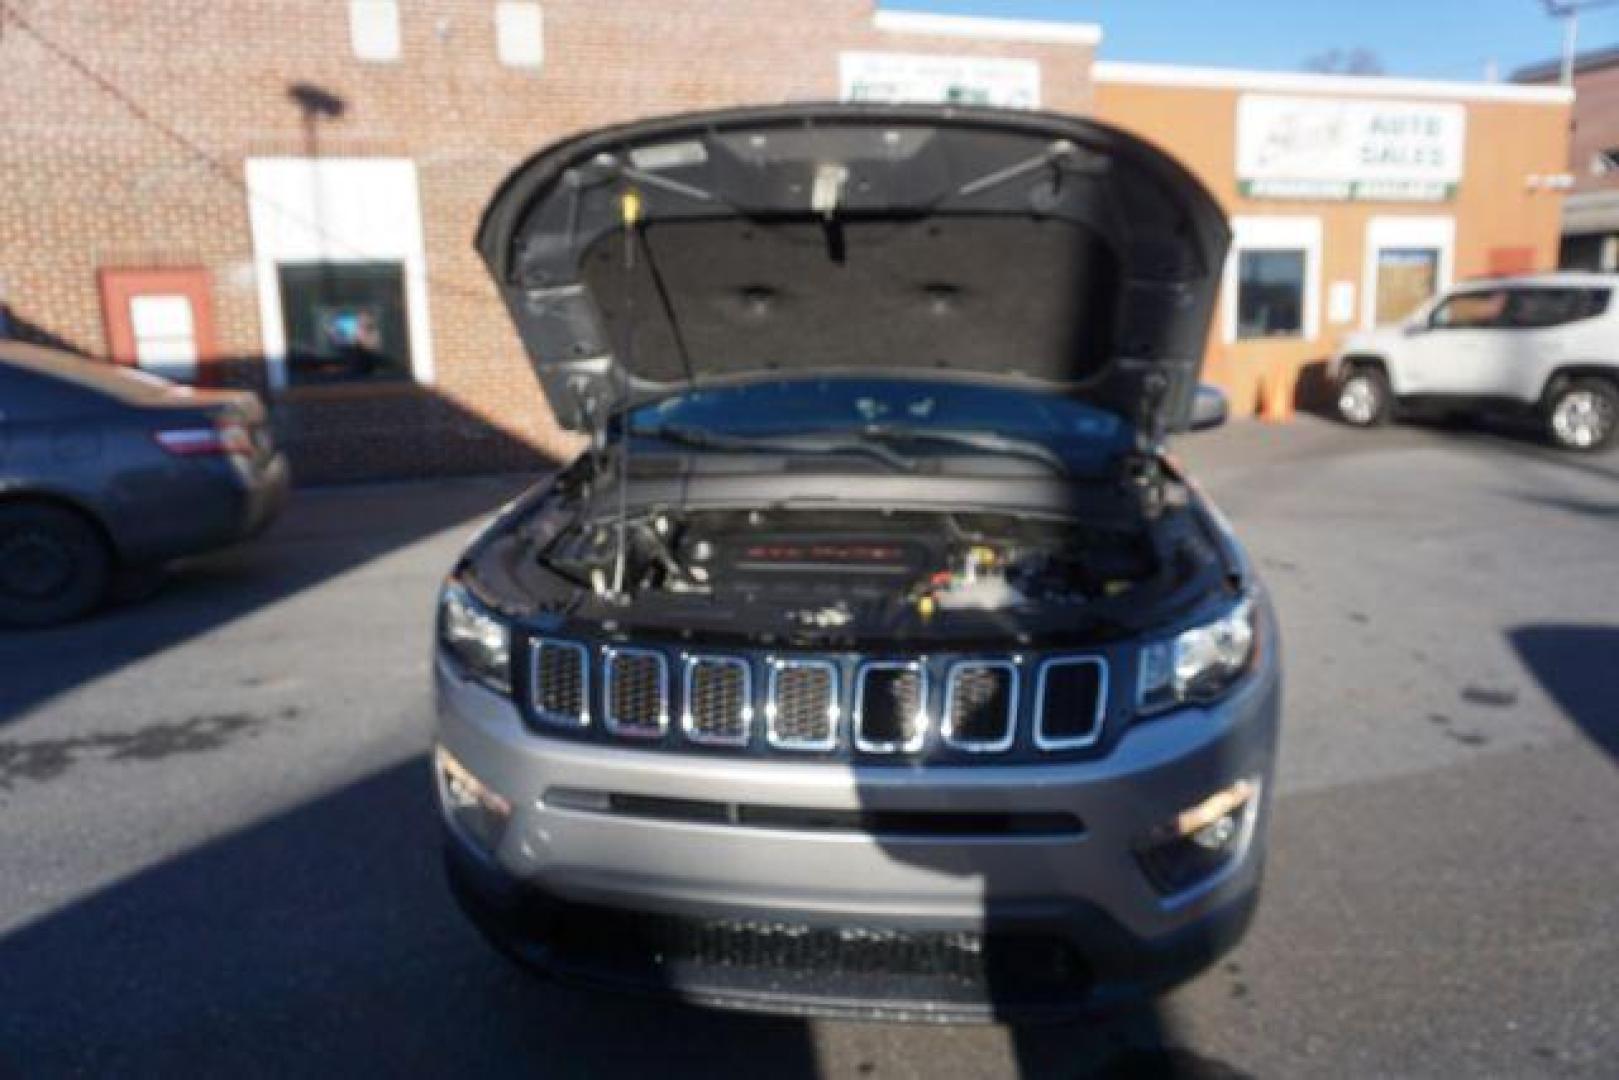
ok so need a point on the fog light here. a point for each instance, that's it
(475, 812)
(1218, 834)
(1200, 840)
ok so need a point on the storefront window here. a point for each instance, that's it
(1270, 294)
(345, 322)
(1405, 278)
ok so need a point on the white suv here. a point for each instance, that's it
(1546, 344)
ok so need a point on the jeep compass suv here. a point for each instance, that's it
(1545, 346)
(873, 659)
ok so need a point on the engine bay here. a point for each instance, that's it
(856, 572)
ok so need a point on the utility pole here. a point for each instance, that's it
(1569, 12)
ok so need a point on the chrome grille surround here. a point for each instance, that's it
(722, 685)
(916, 724)
(1045, 741)
(960, 692)
(802, 710)
(560, 696)
(635, 692)
(963, 704)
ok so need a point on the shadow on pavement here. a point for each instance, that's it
(1520, 437)
(321, 535)
(324, 940)
(1576, 665)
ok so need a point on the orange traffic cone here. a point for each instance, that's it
(1275, 398)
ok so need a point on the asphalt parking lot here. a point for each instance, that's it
(218, 840)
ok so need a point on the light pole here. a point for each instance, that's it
(1569, 12)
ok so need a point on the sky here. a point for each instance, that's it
(1435, 39)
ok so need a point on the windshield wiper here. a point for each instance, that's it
(827, 443)
(985, 441)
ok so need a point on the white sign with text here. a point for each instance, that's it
(956, 80)
(1343, 149)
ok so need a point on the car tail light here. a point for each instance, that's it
(228, 438)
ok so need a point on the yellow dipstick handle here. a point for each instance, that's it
(630, 207)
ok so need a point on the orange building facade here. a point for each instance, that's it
(1351, 199)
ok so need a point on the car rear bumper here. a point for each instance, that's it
(266, 494)
(199, 506)
(850, 922)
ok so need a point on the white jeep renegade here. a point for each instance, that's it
(1546, 344)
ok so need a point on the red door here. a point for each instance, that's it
(161, 320)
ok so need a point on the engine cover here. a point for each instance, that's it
(810, 563)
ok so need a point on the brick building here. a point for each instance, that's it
(283, 195)
(1591, 211)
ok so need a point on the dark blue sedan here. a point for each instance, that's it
(105, 469)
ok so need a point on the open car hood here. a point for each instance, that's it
(1022, 248)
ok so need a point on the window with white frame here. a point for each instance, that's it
(1408, 260)
(344, 322)
(165, 331)
(374, 29)
(1270, 293)
(341, 268)
(520, 33)
(1273, 279)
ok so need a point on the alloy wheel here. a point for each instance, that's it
(1358, 400)
(1582, 419)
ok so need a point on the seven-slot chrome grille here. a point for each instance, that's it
(635, 683)
(890, 707)
(802, 710)
(980, 706)
(560, 683)
(719, 700)
(1070, 698)
(1022, 706)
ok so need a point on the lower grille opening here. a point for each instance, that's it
(897, 824)
(960, 965)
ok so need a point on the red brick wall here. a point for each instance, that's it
(140, 163)
(1595, 128)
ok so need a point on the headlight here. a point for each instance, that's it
(1199, 664)
(479, 642)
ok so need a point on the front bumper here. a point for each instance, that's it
(934, 927)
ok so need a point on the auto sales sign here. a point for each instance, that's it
(1335, 149)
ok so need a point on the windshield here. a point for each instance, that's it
(792, 407)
